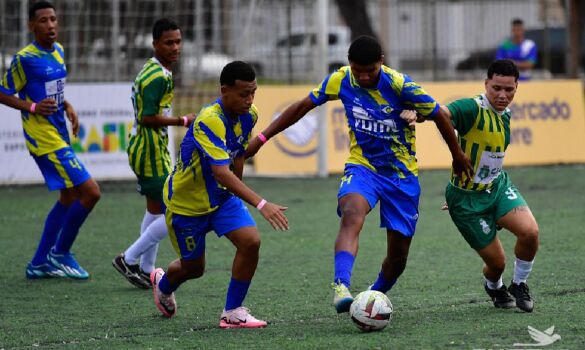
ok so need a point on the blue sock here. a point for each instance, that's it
(236, 293)
(382, 284)
(165, 286)
(343, 266)
(53, 225)
(74, 218)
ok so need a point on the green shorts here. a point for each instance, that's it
(475, 212)
(151, 187)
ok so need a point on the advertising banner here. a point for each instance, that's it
(105, 116)
(547, 127)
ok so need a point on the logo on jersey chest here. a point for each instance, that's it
(365, 122)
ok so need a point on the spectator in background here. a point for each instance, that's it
(520, 50)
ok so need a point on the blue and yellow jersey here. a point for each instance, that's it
(152, 94)
(484, 135)
(35, 74)
(212, 139)
(379, 138)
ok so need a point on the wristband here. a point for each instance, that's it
(33, 106)
(261, 204)
(262, 137)
(185, 121)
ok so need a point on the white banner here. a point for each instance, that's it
(105, 116)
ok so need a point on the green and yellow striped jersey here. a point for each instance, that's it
(484, 135)
(152, 94)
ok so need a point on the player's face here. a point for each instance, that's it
(238, 99)
(366, 75)
(500, 91)
(168, 47)
(518, 32)
(44, 26)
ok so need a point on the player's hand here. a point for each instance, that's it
(274, 214)
(72, 116)
(462, 166)
(409, 116)
(46, 107)
(444, 206)
(253, 147)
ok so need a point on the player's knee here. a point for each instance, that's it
(251, 245)
(352, 217)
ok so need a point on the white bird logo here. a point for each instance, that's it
(542, 338)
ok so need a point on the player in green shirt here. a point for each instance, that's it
(481, 204)
(152, 96)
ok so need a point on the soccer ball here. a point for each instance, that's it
(371, 311)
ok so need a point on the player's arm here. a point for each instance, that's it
(72, 116)
(273, 213)
(154, 121)
(46, 107)
(461, 162)
(238, 167)
(152, 95)
(291, 115)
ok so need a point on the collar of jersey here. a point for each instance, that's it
(165, 70)
(42, 48)
(487, 102)
(355, 84)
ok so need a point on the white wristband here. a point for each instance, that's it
(261, 204)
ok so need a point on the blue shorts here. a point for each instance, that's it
(61, 169)
(398, 197)
(188, 233)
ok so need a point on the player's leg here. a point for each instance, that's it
(473, 216)
(399, 200)
(187, 236)
(398, 246)
(356, 197)
(234, 221)
(520, 221)
(155, 232)
(494, 260)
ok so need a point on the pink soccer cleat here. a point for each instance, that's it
(240, 318)
(165, 303)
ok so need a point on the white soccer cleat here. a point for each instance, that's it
(165, 303)
(240, 318)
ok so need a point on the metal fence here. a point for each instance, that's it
(109, 40)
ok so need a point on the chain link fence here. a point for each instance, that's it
(109, 40)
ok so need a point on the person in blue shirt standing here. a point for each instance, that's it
(519, 50)
(381, 166)
(38, 74)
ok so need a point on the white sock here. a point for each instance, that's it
(521, 270)
(133, 252)
(494, 285)
(153, 234)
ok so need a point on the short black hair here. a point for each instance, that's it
(161, 26)
(32, 10)
(517, 22)
(505, 68)
(365, 50)
(236, 70)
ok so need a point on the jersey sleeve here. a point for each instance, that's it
(152, 94)
(209, 134)
(254, 119)
(463, 114)
(415, 97)
(14, 79)
(329, 88)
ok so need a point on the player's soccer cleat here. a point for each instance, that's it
(45, 270)
(342, 298)
(67, 263)
(165, 303)
(132, 273)
(240, 318)
(501, 297)
(522, 294)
